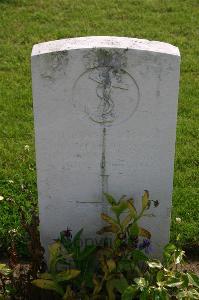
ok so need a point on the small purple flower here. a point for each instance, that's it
(68, 234)
(145, 245)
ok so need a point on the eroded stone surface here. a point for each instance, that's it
(105, 120)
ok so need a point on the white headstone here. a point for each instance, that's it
(105, 119)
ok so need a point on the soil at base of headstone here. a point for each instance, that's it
(192, 259)
(191, 266)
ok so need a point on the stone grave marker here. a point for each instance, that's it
(105, 121)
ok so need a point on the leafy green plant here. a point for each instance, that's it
(82, 257)
(55, 279)
(120, 263)
(121, 270)
(99, 272)
(66, 253)
(124, 224)
(163, 280)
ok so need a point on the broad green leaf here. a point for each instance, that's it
(179, 256)
(145, 294)
(77, 244)
(97, 285)
(132, 208)
(4, 270)
(193, 294)
(67, 275)
(168, 253)
(188, 294)
(145, 233)
(129, 293)
(48, 285)
(77, 237)
(120, 284)
(138, 255)
(185, 279)
(141, 282)
(54, 250)
(103, 265)
(110, 228)
(160, 276)
(127, 220)
(111, 265)
(182, 294)
(120, 208)
(169, 249)
(115, 284)
(9, 289)
(111, 200)
(145, 199)
(110, 290)
(160, 294)
(155, 264)
(123, 265)
(117, 243)
(193, 279)
(47, 276)
(87, 252)
(174, 282)
(108, 219)
(134, 230)
(108, 252)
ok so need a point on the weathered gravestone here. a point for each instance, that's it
(105, 120)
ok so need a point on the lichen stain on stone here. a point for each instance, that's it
(115, 59)
(53, 65)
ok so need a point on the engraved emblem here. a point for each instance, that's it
(106, 92)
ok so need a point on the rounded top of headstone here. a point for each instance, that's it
(104, 42)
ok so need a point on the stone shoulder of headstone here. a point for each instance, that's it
(104, 42)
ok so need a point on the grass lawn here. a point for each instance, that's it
(27, 22)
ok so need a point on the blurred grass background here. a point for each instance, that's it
(24, 23)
